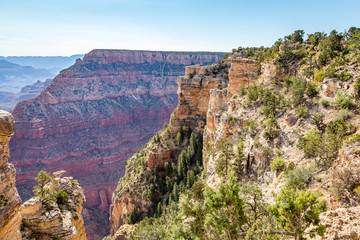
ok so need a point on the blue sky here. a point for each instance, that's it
(66, 27)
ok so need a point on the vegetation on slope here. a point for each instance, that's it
(231, 203)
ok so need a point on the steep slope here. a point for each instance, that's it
(280, 145)
(93, 116)
(195, 90)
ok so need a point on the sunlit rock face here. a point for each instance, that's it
(94, 116)
(10, 201)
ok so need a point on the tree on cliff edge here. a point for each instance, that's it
(43, 178)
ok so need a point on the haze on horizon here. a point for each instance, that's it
(64, 28)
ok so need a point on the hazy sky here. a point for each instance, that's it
(66, 27)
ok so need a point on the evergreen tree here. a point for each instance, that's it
(297, 211)
(180, 136)
(175, 193)
(240, 158)
(39, 190)
(132, 218)
(226, 155)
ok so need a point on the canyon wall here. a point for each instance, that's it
(94, 116)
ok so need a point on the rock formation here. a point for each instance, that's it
(93, 116)
(342, 223)
(10, 201)
(53, 219)
(197, 94)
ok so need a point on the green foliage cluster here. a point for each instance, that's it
(39, 190)
(180, 136)
(277, 164)
(230, 161)
(297, 211)
(232, 209)
(272, 129)
(62, 197)
(344, 101)
(323, 147)
(298, 177)
(251, 126)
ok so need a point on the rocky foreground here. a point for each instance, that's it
(37, 218)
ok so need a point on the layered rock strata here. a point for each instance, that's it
(93, 116)
(10, 201)
(51, 220)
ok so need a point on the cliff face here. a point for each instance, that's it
(51, 220)
(10, 201)
(93, 116)
(196, 91)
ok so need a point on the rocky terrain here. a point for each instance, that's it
(55, 219)
(94, 116)
(10, 201)
(276, 127)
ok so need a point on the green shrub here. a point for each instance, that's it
(250, 126)
(309, 73)
(345, 76)
(344, 101)
(296, 211)
(343, 115)
(300, 177)
(298, 90)
(311, 89)
(330, 72)
(319, 75)
(302, 112)
(325, 103)
(277, 164)
(272, 130)
(253, 93)
(62, 197)
(291, 166)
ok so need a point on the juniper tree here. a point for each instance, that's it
(297, 211)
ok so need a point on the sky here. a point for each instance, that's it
(67, 27)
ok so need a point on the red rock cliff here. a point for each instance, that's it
(93, 116)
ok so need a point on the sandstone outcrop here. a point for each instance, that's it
(94, 116)
(10, 201)
(194, 93)
(243, 73)
(342, 223)
(50, 219)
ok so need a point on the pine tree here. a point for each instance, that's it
(39, 190)
(227, 153)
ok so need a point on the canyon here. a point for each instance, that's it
(93, 116)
